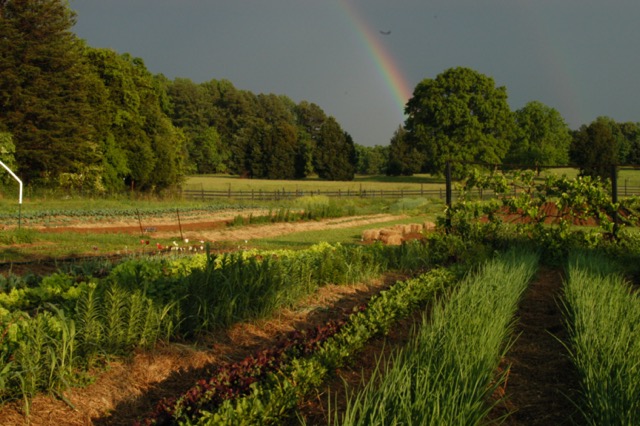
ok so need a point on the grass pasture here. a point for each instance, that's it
(360, 183)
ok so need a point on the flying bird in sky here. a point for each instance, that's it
(385, 32)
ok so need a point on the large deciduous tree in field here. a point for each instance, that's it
(460, 116)
(542, 137)
(46, 89)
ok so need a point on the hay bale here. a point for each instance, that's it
(392, 240)
(387, 232)
(370, 235)
(429, 226)
(416, 228)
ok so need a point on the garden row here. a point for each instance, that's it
(453, 359)
(52, 330)
(603, 315)
(447, 372)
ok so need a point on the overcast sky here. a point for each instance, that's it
(581, 57)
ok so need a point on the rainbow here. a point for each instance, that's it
(395, 80)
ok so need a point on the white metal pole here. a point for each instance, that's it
(20, 196)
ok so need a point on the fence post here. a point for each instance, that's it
(448, 193)
(614, 198)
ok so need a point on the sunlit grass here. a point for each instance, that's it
(360, 183)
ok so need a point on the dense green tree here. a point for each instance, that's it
(206, 152)
(631, 133)
(335, 156)
(280, 148)
(7, 150)
(404, 158)
(46, 90)
(459, 116)
(372, 160)
(310, 117)
(594, 149)
(140, 145)
(542, 137)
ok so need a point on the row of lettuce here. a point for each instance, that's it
(55, 329)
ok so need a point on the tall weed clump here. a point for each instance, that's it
(603, 313)
(445, 375)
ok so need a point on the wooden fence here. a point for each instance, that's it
(624, 190)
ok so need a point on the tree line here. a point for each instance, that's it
(79, 117)
(462, 117)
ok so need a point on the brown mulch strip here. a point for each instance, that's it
(542, 381)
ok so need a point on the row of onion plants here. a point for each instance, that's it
(603, 315)
(446, 374)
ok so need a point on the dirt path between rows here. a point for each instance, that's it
(542, 381)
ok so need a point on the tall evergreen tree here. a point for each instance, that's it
(594, 148)
(405, 159)
(46, 90)
(335, 157)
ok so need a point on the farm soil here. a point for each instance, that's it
(217, 229)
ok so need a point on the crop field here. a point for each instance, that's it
(291, 314)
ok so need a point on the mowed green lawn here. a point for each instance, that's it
(360, 183)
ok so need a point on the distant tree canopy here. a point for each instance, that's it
(459, 116)
(541, 137)
(372, 160)
(595, 149)
(405, 158)
(93, 119)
